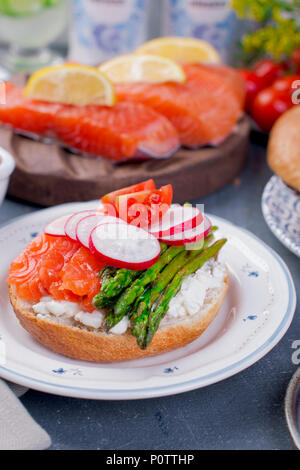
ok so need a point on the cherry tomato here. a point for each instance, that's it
(267, 71)
(268, 105)
(287, 84)
(285, 66)
(295, 59)
(253, 85)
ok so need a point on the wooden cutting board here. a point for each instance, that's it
(47, 175)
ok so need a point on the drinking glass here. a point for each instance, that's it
(28, 26)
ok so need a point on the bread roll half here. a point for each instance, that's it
(284, 148)
(84, 343)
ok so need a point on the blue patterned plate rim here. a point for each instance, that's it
(282, 235)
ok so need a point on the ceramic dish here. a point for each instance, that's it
(256, 313)
(292, 407)
(7, 165)
(281, 210)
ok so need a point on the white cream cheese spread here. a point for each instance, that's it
(47, 308)
(187, 302)
(194, 290)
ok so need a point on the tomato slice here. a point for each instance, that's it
(155, 205)
(110, 198)
(165, 193)
(132, 198)
(144, 208)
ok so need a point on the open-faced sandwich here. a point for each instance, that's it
(134, 278)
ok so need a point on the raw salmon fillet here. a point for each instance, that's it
(59, 267)
(204, 109)
(200, 75)
(121, 132)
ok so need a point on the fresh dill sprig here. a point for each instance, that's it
(279, 34)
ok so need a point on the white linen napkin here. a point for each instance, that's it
(18, 430)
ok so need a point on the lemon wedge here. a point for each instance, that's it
(71, 84)
(132, 68)
(181, 49)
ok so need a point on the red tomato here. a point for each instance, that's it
(142, 208)
(253, 85)
(159, 202)
(268, 105)
(267, 71)
(164, 195)
(110, 198)
(295, 59)
(129, 206)
(287, 84)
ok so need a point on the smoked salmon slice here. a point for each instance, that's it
(204, 109)
(56, 266)
(121, 132)
(24, 270)
(80, 274)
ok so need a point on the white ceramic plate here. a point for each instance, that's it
(281, 210)
(257, 311)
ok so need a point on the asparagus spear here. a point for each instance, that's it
(126, 299)
(140, 313)
(114, 286)
(139, 319)
(158, 313)
(106, 274)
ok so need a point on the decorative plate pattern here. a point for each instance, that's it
(281, 210)
(256, 313)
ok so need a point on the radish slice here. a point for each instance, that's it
(57, 226)
(190, 236)
(176, 220)
(71, 223)
(124, 246)
(87, 224)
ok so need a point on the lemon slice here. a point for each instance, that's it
(134, 68)
(71, 84)
(188, 50)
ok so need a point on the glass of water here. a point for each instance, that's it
(28, 26)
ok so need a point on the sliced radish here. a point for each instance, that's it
(176, 220)
(71, 223)
(124, 246)
(87, 224)
(57, 226)
(189, 236)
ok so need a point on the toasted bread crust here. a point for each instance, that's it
(102, 347)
